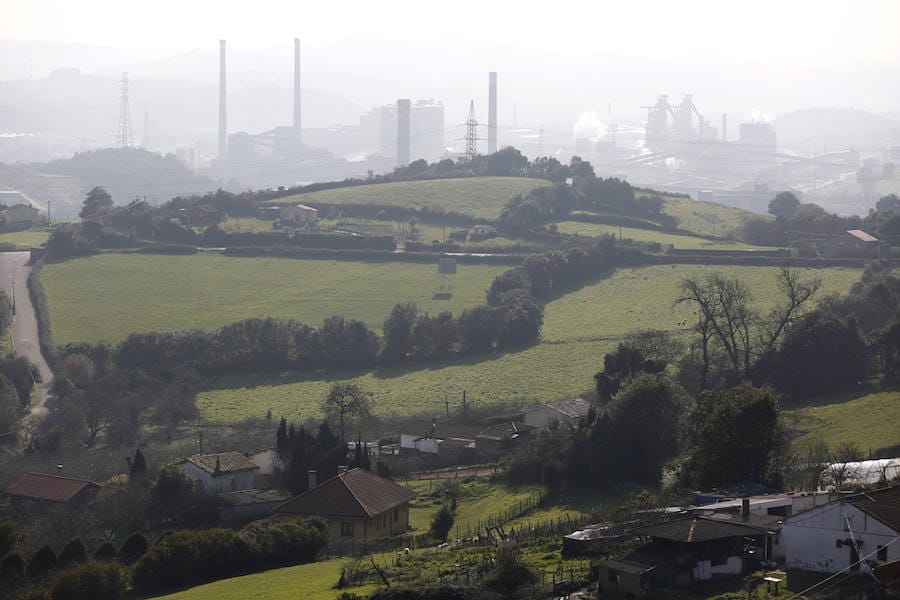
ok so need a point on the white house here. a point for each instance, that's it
(222, 472)
(850, 534)
(564, 412)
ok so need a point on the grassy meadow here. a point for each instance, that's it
(706, 218)
(579, 328)
(871, 419)
(481, 197)
(108, 296)
(25, 239)
(681, 242)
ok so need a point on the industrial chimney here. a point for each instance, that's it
(223, 128)
(403, 132)
(724, 127)
(297, 131)
(492, 112)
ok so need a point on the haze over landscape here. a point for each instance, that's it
(431, 301)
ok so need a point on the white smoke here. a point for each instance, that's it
(758, 116)
(589, 127)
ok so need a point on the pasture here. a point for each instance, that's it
(681, 242)
(480, 197)
(706, 218)
(25, 239)
(106, 297)
(579, 328)
(871, 419)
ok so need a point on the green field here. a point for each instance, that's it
(681, 242)
(481, 197)
(872, 420)
(314, 581)
(25, 239)
(108, 296)
(706, 218)
(246, 224)
(579, 328)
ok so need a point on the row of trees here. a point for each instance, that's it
(801, 225)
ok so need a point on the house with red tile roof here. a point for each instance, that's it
(359, 507)
(37, 490)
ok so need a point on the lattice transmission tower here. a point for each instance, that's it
(471, 133)
(123, 137)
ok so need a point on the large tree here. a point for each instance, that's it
(785, 204)
(736, 435)
(398, 331)
(97, 203)
(346, 404)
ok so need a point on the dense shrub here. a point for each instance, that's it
(133, 548)
(106, 552)
(73, 554)
(284, 541)
(93, 581)
(12, 566)
(442, 523)
(42, 562)
(190, 557)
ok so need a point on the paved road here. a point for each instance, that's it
(14, 278)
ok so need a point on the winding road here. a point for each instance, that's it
(14, 272)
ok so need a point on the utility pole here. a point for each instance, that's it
(123, 137)
(471, 133)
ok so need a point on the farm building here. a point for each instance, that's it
(684, 551)
(849, 535)
(300, 214)
(359, 507)
(855, 243)
(35, 491)
(450, 443)
(222, 472)
(564, 412)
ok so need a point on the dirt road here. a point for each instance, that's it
(14, 281)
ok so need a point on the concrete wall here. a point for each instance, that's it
(811, 538)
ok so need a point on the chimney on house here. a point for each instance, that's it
(745, 508)
(59, 469)
(311, 478)
(342, 469)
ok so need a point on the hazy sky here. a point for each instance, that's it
(817, 31)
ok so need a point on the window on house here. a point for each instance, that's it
(346, 529)
(881, 555)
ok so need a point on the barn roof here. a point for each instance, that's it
(697, 529)
(56, 488)
(862, 235)
(353, 494)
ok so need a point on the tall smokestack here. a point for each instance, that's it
(223, 127)
(724, 127)
(492, 112)
(297, 131)
(402, 132)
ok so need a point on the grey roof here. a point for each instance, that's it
(572, 408)
(228, 462)
(698, 529)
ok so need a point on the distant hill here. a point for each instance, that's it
(838, 128)
(127, 173)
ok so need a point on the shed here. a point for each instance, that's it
(563, 412)
(854, 243)
(222, 472)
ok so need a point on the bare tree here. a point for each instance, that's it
(725, 314)
(345, 403)
(795, 294)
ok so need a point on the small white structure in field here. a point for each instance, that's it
(300, 214)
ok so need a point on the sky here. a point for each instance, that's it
(767, 31)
